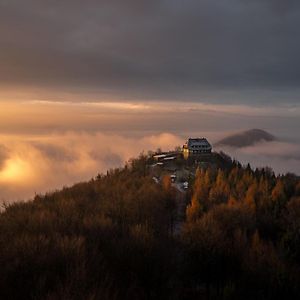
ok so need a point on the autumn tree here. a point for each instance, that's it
(195, 208)
(220, 190)
(278, 196)
(251, 196)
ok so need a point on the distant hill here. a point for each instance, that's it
(246, 138)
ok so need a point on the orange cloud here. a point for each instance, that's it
(37, 164)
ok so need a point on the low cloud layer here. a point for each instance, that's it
(4, 154)
(283, 157)
(44, 163)
(123, 118)
(46, 145)
(40, 164)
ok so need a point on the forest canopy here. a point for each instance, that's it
(123, 236)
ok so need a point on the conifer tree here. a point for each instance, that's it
(278, 197)
(278, 193)
(264, 192)
(219, 193)
(251, 196)
(193, 210)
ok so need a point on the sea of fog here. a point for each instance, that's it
(45, 146)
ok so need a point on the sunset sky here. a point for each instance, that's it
(85, 85)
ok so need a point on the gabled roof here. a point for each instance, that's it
(198, 141)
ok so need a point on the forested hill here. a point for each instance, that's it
(114, 237)
(246, 138)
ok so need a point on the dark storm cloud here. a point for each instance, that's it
(164, 48)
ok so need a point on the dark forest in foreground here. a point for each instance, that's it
(114, 237)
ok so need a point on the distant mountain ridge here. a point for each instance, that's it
(246, 138)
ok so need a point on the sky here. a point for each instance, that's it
(85, 85)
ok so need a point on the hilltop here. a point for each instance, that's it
(246, 138)
(233, 234)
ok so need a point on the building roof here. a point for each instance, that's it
(159, 156)
(198, 142)
(169, 158)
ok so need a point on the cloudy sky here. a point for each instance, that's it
(207, 50)
(84, 85)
